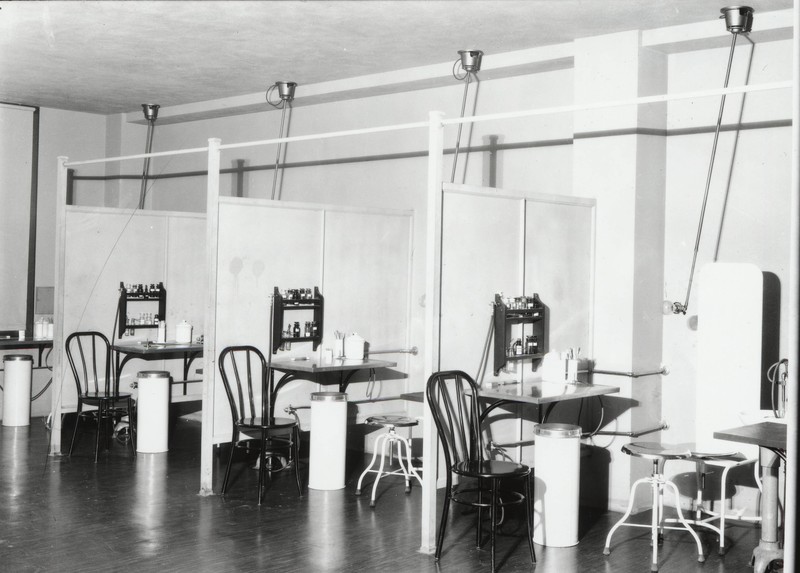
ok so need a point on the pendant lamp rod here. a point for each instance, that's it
(471, 63)
(739, 20)
(286, 93)
(150, 114)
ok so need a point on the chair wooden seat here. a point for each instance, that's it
(491, 468)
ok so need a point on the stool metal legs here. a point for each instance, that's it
(657, 483)
(407, 470)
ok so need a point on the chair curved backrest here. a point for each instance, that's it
(453, 400)
(244, 375)
(89, 355)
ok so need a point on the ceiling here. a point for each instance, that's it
(110, 57)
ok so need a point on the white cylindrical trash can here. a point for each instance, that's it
(556, 485)
(17, 389)
(327, 450)
(152, 418)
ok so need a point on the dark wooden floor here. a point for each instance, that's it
(69, 514)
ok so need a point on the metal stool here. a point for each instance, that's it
(658, 453)
(385, 441)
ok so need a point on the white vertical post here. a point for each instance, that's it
(433, 266)
(59, 367)
(210, 326)
(790, 548)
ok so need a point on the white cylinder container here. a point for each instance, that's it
(17, 389)
(152, 420)
(556, 485)
(183, 333)
(327, 450)
(354, 347)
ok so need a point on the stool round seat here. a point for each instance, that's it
(389, 442)
(656, 451)
(392, 420)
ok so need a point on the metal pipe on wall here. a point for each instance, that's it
(286, 94)
(471, 63)
(738, 20)
(150, 114)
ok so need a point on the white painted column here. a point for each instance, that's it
(619, 157)
(430, 351)
(209, 344)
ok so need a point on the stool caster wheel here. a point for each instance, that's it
(606, 551)
(701, 558)
(358, 492)
(372, 504)
(408, 489)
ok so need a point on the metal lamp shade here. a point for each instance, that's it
(471, 60)
(738, 19)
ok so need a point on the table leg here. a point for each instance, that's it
(769, 546)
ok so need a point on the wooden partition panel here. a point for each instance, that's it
(107, 246)
(360, 260)
(559, 265)
(482, 253)
(515, 243)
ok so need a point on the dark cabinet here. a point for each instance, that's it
(520, 329)
(286, 307)
(156, 309)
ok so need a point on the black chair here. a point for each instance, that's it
(453, 400)
(241, 367)
(89, 355)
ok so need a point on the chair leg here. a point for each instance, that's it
(626, 515)
(408, 470)
(386, 441)
(443, 523)
(132, 426)
(700, 554)
(296, 454)
(529, 517)
(75, 429)
(234, 439)
(478, 530)
(493, 520)
(371, 463)
(97, 435)
(262, 465)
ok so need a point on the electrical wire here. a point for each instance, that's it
(776, 380)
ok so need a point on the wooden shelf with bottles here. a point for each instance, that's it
(525, 316)
(152, 293)
(292, 301)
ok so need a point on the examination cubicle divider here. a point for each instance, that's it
(106, 246)
(524, 243)
(360, 259)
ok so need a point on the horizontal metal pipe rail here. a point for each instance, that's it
(663, 371)
(413, 350)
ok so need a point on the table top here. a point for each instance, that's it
(143, 347)
(315, 365)
(543, 392)
(15, 343)
(766, 434)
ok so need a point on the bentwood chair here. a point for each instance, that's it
(453, 400)
(244, 375)
(89, 355)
